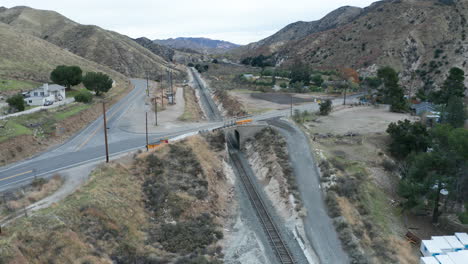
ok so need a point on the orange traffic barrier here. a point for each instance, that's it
(245, 121)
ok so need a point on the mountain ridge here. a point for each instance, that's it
(422, 39)
(105, 47)
(203, 45)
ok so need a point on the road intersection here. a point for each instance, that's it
(88, 145)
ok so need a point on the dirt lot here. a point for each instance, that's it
(362, 120)
(361, 191)
(281, 98)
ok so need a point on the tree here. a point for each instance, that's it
(98, 82)
(443, 167)
(300, 73)
(454, 85)
(215, 61)
(454, 112)
(407, 137)
(17, 102)
(429, 174)
(325, 107)
(317, 79)
(67, 76)
(392, 92)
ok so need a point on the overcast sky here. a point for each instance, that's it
(238, 21)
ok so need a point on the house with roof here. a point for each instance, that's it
(45, 94)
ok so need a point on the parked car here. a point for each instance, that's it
(46, 103)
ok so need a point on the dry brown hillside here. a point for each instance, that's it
(420, 38)
(105, 47)
(26, 57)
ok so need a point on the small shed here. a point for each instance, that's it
(444, 259)
(430, 248)
(454, 243)
(443, 244)
(463, 238)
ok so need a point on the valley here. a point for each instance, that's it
(339, 140)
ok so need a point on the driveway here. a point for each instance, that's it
(39, 108)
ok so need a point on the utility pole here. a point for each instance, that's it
(105, 130)
(345, 89)
(291, 105)
(147, 84)
(156, 111)
(146, 118)
(162, 91)
(172, 88)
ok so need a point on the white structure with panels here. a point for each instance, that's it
(445, 249)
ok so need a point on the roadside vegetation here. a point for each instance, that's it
(416, 171)
(24, 135)
(14, 203)
(158, 207)
(358, 180)
(192, 110)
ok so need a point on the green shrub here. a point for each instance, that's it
(17, 102)
(188, 236)
(325, 107)
(84, 96)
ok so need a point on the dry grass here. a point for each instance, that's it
(192, 110)
(38, 190)
(364, 188)
(109, 219)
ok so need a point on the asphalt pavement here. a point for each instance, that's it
(88, 144)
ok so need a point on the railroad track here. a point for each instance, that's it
(279, 246)
(213, 112)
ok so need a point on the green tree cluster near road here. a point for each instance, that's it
(73, 75)
(325, 107)
(392, 92)
(433, 161)
(17, 102)
(67, 76)
(201, 68)
(84, 96)
(98, 82)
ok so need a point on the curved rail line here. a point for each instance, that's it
(279, 246)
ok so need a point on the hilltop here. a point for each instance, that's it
(25, 57)
(421, 39)
(104, 47)
(202, 45)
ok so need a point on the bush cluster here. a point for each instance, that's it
(190, 235)
(84, 96)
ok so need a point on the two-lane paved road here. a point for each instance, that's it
(88, 145)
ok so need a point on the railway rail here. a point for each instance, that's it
(213, 113)
(279, 246)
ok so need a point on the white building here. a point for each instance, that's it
(45, 93)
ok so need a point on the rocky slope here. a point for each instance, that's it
(105, 47)
(422, 39)
(203, 45)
